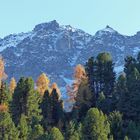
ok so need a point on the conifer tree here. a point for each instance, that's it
(84, 99)
(26, 101)
(105, 74)
(32, 110)
(46, 107)
(8, 130)
(121, 91)
(57, 112)
(23, 128)
(131, 108)
(52, 109)
(4, 94)
(96, 126)
(73, 131)
(75, 136)
(121, 84)
(130, 63)
(101, 102)
(5, 97)
(116, 125)
(90, 68)
(18, 100)
(70, 129)
(55, 134)
(37, 133)
(101, 75)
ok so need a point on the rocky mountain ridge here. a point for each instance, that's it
(56, 50)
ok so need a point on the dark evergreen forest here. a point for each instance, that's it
(106, 105)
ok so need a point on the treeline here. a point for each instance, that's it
(105, 106)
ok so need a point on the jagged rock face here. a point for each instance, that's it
(56, 49)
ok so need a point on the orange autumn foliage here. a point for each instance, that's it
(12, 85)
(79, 76)
(42, 83)
(3, 76)
(3, 108)
(79, 72)
(54, 86)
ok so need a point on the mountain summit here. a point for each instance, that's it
(109, 29)
(106, 31)
(52, 25)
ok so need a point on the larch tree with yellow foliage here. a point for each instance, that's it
(79, 76)
(42, 83)
(4, 93)
(3, 75)
(12, 85)
(79, 73)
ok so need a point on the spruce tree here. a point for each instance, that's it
(122, 94)
(130, 63)
(55, 134)
(52, 109)
(23, 128)
(73, 131)
(32, 110)
(46, 107)
(116, 125)
(96, 126)
(18, 100)
(91, 71)
(5, 96)
(8, 130)
(57, 112)
(131, 98)
(121, 84)
(26, 101)
(75, 136)
(37, 133)
(70, 129)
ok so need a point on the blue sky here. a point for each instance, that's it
(90, 15)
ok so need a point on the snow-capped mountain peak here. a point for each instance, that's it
(52, 25)
(56, 50)
(107, 30)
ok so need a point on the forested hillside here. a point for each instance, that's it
(102, 105)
